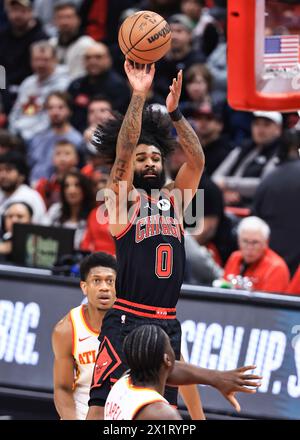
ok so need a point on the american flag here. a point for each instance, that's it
(282, 50)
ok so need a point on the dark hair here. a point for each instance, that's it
(97, 98)
(88, 202)
(156, 130)
(12, 142)
(199, 69)
(290, 141)
(43, 46)
(62, 142)
(15, 202)
(20, 202)
(144, 350)
(63, 96)
(62, 4)
(95, 260)
(6, 138)
(17, 161)
(201, 2)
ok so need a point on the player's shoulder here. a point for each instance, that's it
(62, 337)
(158, 411)
(63, 327)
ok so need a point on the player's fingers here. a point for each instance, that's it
(248, 367)
(250, 376)
(127, 65)
(250, 383)
(173, 89)
(179, 78)
(242, 389)
(172, 93)
(152, 68)
(234, 402)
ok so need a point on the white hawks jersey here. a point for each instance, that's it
(125, 400)
(84, 350)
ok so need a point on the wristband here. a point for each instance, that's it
(176, 115)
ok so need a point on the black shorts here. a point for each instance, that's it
(110, 364)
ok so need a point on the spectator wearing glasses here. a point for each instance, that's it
(266, 270)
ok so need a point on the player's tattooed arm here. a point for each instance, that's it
(126, 143)
(190, 144)
(140, 79)
(188, 177)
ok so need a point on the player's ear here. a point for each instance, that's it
(167, 360)
(83, 287)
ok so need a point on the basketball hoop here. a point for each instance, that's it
(264, 37)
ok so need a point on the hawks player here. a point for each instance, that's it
(148, 232)
(74, 338)
(138, 395)
(75, 342)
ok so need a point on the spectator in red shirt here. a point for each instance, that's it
(294, 286)
(255, 260)
(97, 237)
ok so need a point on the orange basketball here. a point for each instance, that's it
(144, 37)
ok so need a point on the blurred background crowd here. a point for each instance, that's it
(64, 76)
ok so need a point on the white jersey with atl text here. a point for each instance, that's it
(125, 400)
(84, 350)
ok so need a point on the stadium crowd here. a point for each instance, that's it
(64, 76)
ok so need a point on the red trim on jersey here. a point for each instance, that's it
(145, 315)
(143, 306)
(73, 335)
(121, 234)
(86, 323)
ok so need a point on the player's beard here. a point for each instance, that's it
(149, 183)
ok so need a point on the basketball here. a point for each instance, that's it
(144, 37)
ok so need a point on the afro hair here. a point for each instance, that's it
(156, 130)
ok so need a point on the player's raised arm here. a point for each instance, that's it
(189, 175)
(140, 78)
(63, 370)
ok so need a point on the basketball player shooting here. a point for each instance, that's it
(149, 236)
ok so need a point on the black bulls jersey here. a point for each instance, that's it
(151, 255)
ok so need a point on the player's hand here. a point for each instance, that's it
(233, 381)
(175, 92)
(140, 76)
